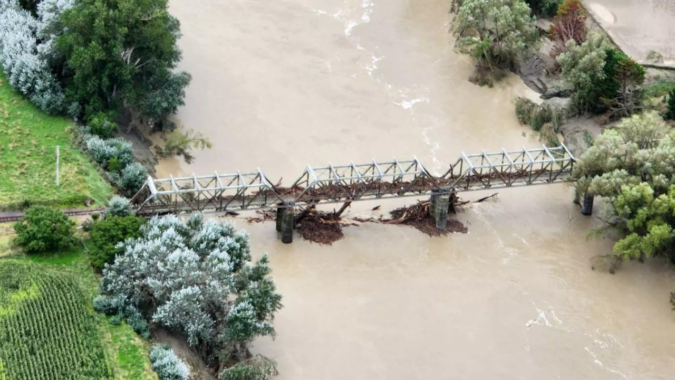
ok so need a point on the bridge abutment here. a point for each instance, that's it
(285, 223)
(587, 204)
(439, 205)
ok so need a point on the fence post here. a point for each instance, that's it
(57, 166)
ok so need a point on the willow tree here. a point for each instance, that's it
(497, 34)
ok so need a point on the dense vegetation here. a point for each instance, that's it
(47, 329)
(106, 234)
(632, 166)
(94, 59)
(44, 229)
(167, 365)
(497, 34)
(544, 8)
(196, 279)
(28, 139)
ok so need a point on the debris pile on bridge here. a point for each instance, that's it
(418, 216)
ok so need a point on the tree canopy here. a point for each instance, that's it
(196, 278)
(497, 33)
(633, 167)
(121, 53)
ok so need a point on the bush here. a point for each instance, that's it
(101, 125)
(670, 113)
(132, 179)
(119, 206)
(108, 305)
(107, 233)
(104, 150)
(536, 116)
(44, 229)
(167, 365)
(257, 368)
(24, 50)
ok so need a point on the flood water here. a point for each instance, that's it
(282, 84)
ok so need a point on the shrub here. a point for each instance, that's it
(670, 113)
(536, 116)
(24, 48)
(106, 234)
(44, 229)
(132, 179)
(257, 368)
(167, 365)
(104, 150)
(101, 125)
(119, 206)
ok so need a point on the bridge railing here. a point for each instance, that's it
(354, 182)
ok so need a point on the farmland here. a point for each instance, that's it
(47, 330)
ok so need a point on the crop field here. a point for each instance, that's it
(28, 140)
(47, 329)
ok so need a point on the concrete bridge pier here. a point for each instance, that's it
(285, 222)
(587, 204)
(439, 204)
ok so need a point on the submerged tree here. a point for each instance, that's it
(496, 33)
(196, 279)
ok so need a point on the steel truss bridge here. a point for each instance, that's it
(354, 182)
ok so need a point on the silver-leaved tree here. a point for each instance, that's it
(196, 279)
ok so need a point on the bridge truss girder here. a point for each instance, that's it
(354, 182)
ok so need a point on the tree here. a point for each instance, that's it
(106, 234)
(628, 75)
(583, 70)
(25, 46)
(568, 24)
(496, 33)
(120, 54)
(633, 168)
(44, 229)
(132, 179)
(180, 144)
(196, 279)
(544, 8)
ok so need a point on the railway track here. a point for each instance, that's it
(15, 216)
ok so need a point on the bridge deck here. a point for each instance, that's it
(352, 182)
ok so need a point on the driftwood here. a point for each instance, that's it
(486, 198)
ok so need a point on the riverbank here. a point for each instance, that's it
(28, 141)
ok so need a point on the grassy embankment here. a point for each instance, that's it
(28, 138)
(124, 353)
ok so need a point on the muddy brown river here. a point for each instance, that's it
(282, 84)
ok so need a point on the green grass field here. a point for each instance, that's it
(28, 138)
(125, 353)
